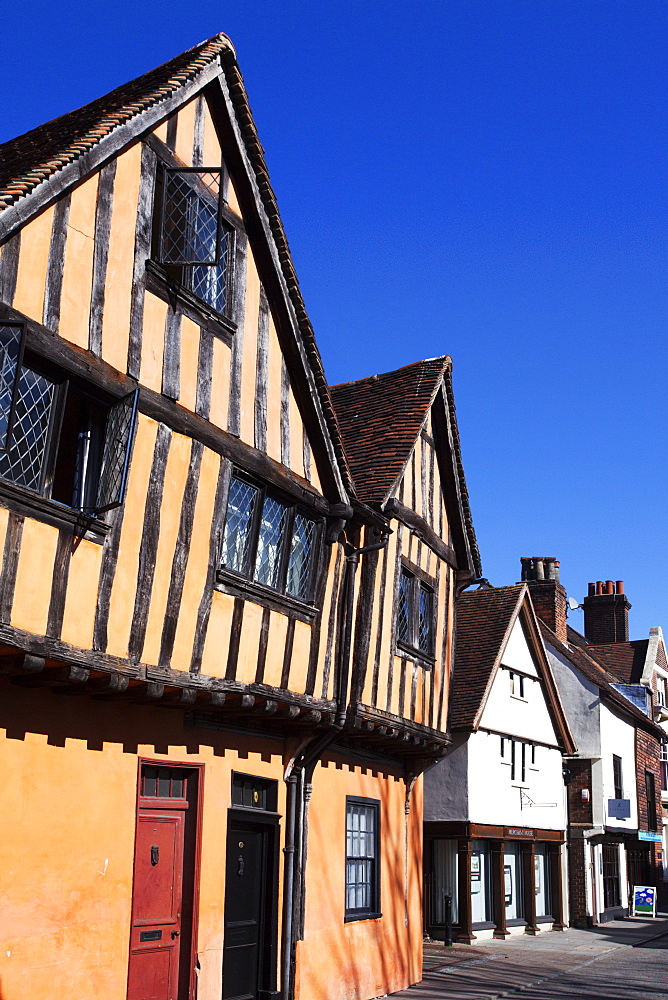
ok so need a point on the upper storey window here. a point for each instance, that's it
(58, 438)
(193, 241)
(415, 614)
(269, 541)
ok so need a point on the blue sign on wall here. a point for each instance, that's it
(655, 838)
(619, 808)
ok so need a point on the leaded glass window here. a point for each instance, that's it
(63, 441)
(362, 858)
(268, 540)
(268, 557)
(415, 614)
(190, 217)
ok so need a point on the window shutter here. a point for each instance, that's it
(116, 453)
(190, 232)
(12, 338)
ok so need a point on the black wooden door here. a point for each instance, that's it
(611, 894)
(246, 910)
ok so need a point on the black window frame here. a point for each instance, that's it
(517, 684)
(373, 910)
(246, 577)
(618, 776)
(181, 275)
(650, 796)
(417, 583)
(105, 415)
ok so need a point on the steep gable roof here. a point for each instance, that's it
(485, 620)
(37, 167)
(575, 651)
(380, 418)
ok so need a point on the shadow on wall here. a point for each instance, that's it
(365, 958)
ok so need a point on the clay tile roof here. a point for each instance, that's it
(380, 418)
(626, 660)
(31, 158)
(596, 674)
(483, 621)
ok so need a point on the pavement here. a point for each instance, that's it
(625, 959)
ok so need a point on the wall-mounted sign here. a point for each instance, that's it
(644, 900)
(516, 832)
(619, 808)
(655, 838)
(508, 884)
(476, 881)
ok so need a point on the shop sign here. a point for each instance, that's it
(655, 838)
(476, 883)
(644, 900)
(512, 832)
(619, 808)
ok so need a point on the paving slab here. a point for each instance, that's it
(600, 962)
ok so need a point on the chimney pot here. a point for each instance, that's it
(591, 589)
(620, 586)
(540, 570)
(609, 587)
(599, 586)
(606, 613)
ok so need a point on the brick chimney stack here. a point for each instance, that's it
(606, 612)
(547, 594)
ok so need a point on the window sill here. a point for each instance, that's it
(24, 501)
(195, 308)
(350, 917)
(518, 697)
(237, 586)
(417, 656)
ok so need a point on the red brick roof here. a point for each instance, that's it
(35, 157)
(380, 418)
(484, 618)
(626, 660)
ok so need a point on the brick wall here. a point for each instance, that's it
(579, 811)
(648, 756)
(577, 885)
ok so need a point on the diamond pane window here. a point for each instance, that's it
(191, 217)
(299, 564)
(11, 349)
(210, 283)
(239, 513)
(268, 540)
(415, 614)
(23, 463)
(267, 560)
(403, 610)
(362, 858)
(425, 620)
(119, 429)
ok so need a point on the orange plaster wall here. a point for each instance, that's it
(170, 517)
(217, 644)
(81, 598)
(273, 668)
(383, 671)
(190, 338)
(78, 266)
(364, 958)
(120, 265)
(212, 153)
(185, 132)
(33, 262)
(326, 611)
(301, 648)
(34, 575)
(220, 383)
(249, 642)
(249, 352)
(153, 342)
(122, 603)
(274, 394)
(66, 853)
(198, 561)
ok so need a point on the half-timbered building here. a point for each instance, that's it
(224, 647)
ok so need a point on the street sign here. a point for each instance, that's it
(644, 900)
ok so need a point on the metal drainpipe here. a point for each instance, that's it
(307, 763)
(289, 851)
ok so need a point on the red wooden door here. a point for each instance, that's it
(157, 900)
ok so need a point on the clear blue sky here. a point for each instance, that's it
(483, 179)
